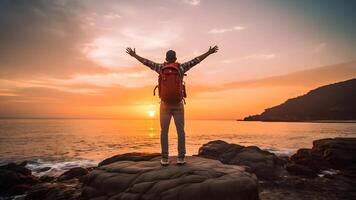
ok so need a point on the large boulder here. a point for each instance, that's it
(264, 164)
(15, 179)
(219, 150)
(199, 178)
(308, 157)
(338, 152)
(329, 153)
(54, 191)
(335, 187)
(300, 170)
(75, 172)
(134, 156)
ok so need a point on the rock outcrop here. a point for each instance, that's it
(55, 191)
(15, 179)
(329, 153)
(75, 172)
(264, 164)
(200, 178)
(134, 156)
(327, 187)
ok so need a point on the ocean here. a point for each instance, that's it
(65, 143)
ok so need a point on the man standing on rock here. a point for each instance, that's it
(171, 90)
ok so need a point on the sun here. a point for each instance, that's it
(151, 113)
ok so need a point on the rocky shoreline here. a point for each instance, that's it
(220, 170)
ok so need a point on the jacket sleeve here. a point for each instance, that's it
(188, 65)
(152, 65)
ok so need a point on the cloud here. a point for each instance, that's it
(319, 47)
(15, 86)
(192, 2)
(83, 83)
(108, 49)
(151, 39)
(7, 92)
(310, 78)
(43, 37)
(112, 16)
(227, 61)
(261, 56)
(128, 80)
(224, 30)
(72, 94)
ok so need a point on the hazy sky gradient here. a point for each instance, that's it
(67, 58)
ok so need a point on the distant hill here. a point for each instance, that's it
(330, 102)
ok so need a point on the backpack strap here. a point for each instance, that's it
(154, 90)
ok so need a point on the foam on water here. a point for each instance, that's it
(328, 172)
(17, 197)
(281, 152)
(57, 167)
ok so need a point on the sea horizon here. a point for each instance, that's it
(190, 119)
(67, 142)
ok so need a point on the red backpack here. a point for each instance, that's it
(171, 88)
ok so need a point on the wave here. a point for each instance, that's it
(41, 167)
(281, 152)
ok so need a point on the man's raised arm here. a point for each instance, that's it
(187, 65)
(154, 66)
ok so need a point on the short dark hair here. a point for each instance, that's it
(171, 56)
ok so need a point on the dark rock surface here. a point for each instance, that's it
(200, 178)
(264, 164)
(55, 191)
(15, 179)
(129, 156)
(325, 172)
(300, 170)
(219, 150)
(310, 158)
(328, 187)
(75, 172)
(43, 169)
(340, 153)
(46, 178)
(329, 153)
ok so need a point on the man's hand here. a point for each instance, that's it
(133, 54)
(213, 50)
(130, 51)
(210, 51)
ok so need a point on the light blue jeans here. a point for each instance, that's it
(166, 113)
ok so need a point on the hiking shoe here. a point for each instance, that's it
(164, 161)
(181, 161)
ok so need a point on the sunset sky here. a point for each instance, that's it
(67, 58)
